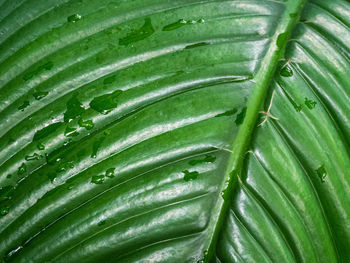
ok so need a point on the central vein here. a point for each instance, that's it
(240, 145)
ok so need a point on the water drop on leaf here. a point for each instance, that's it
(30, 74)
(4, 211)
(74, 18)
(101, 223)
(240, 116)
(322, 173)
(200, 44)
(207, 159)
(40, 94)
(110, 172)
(175, 25)
(46, 131)
(65, 166)
(88, 124)
(6, 192)
(281, 39)
(181, 23)
(33, 157)
(227, 113)
(22, 169)
(286, 71)
(96, 146)
(139, 34)
(105, 103)
(190, 175)
(97, 179)
(310, 103)
(74, 109)
(109, 80)
(24, 105)
(40, 146)
(51, 176)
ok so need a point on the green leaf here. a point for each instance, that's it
(174, 131)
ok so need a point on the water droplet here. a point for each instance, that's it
(322, 173)
(52, 161)
(51, 176)
(40, 94)
(97, 179)
(310, 103)
(139, 34)
(65, 143)
(40, 146)
(227, 187)
(227, 113)
(4, 211)
(201, 44)
(286, 71)
(110, 172)
(60, 153)
(96, 146)
(46, 131)
(88, 124)
(181, 23)
(296, 106)
(205, 255)
(65, 166)
(24, 105)
(71, 132)
(190, 175)
(292, 15)
(107, 132)
(207, 159)
(105, 103)
(33, 157)
(22, 169)
(74, 109)
(281, 40)
(240, 116)
(173, 26)
(6, 192)
(101, 223)
(38, 70)
(74, 18)
(109, 80)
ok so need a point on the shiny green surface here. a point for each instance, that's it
(174, 131)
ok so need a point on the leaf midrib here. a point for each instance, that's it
(241, 143)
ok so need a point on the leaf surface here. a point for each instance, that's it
(170, 131)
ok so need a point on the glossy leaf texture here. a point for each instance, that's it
(120, 120)
(292, 203)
